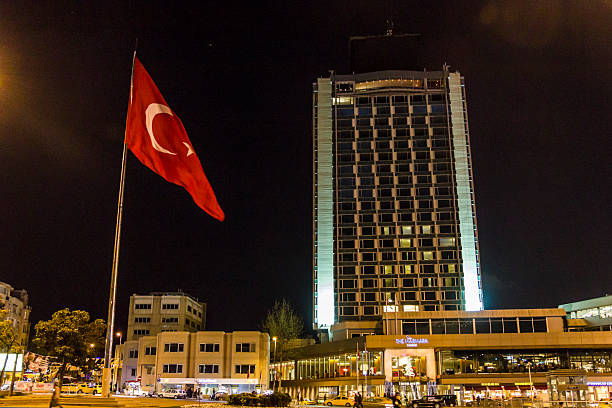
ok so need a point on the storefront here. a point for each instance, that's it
(211, 386)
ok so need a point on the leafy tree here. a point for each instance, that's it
(285, 324)
(68, 336)
(8, 340)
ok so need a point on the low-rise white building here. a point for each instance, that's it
(210, 361)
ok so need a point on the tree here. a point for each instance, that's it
(8, 340)
(285, 324)
(68, 336)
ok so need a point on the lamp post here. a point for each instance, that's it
(530, 382)
(274, 363)
(116, 370)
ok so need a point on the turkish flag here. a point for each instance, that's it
(157, 137)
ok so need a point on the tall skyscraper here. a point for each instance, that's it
(393, 205)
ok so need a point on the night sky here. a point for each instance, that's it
(240, 77)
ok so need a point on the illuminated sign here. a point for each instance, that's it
(411, 342)
(600, 384)
(489, 384)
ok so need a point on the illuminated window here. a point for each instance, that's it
(427, 255)
(405, 242)
(386, 230)
(390, 308)
(447, 268)
(406, 229)
(388, 269)
(407, 268)
(447, 242)
(425, 229)
(343, 100)
(411, 308)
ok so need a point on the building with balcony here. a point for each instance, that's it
(394, 219)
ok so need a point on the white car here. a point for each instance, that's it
(172, 393)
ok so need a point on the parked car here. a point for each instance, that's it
(377, 402)
(172, 393)
(93, 389)
(340, 401)
(307, 401)
(428, 401)
(450, 400)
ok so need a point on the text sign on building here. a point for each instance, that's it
(600, 384)
(410, 341)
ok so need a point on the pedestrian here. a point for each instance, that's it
(212, 397)
(189, 393)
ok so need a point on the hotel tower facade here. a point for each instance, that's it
(394, 219)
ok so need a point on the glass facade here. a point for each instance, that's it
(394, 154)
(515, 361)
(340, 365)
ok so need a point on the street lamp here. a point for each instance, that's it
(274, 383)
(530, 382)
(116, 370)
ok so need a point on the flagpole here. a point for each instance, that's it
(108, 347)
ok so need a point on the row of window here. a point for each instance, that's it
(399, 229)
(405, 283)
(399, 157)
(141, 332)
(370, 146)
(209, 347)
(475, 326)
(407, 269)
(437, 131)
(208, 368)
(394, 242)
(397, 217)
(142, 320)
(412, 256)
(375, 310)
(413, 99)
(404, 109)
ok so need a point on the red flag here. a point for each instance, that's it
(157, 137)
